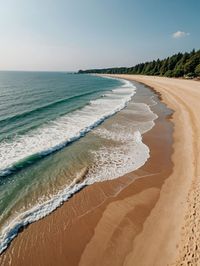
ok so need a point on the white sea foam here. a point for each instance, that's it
(10, 230)
(57, 134)
(112, 162)
(109, 162)
(130, 153)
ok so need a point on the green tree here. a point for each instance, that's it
(177, 65)
(178, 72)
(169, 73)
(197, 70)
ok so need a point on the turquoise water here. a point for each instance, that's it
(55, 138)
(30, 99)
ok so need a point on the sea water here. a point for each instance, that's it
(60, 132)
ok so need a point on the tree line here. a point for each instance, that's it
(178, 65)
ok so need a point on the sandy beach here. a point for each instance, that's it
(153, 220)
(176, 233)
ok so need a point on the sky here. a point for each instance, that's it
(68, 35)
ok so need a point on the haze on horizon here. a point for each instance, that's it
(66, 35)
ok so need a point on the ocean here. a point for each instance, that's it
(60, 132)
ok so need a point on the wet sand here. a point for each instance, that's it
(177, 231)
(144, 223)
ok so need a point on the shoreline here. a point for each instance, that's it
(58, 199)
(182, 241)
(136, 200)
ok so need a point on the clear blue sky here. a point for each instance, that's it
(78, 34)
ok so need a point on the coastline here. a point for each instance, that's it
(109, 135)
(73, 233)
(178, 238)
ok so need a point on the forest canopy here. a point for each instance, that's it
(178, 65)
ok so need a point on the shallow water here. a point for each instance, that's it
(33, 184)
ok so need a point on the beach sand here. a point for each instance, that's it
(154, 220)
(177, 231)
